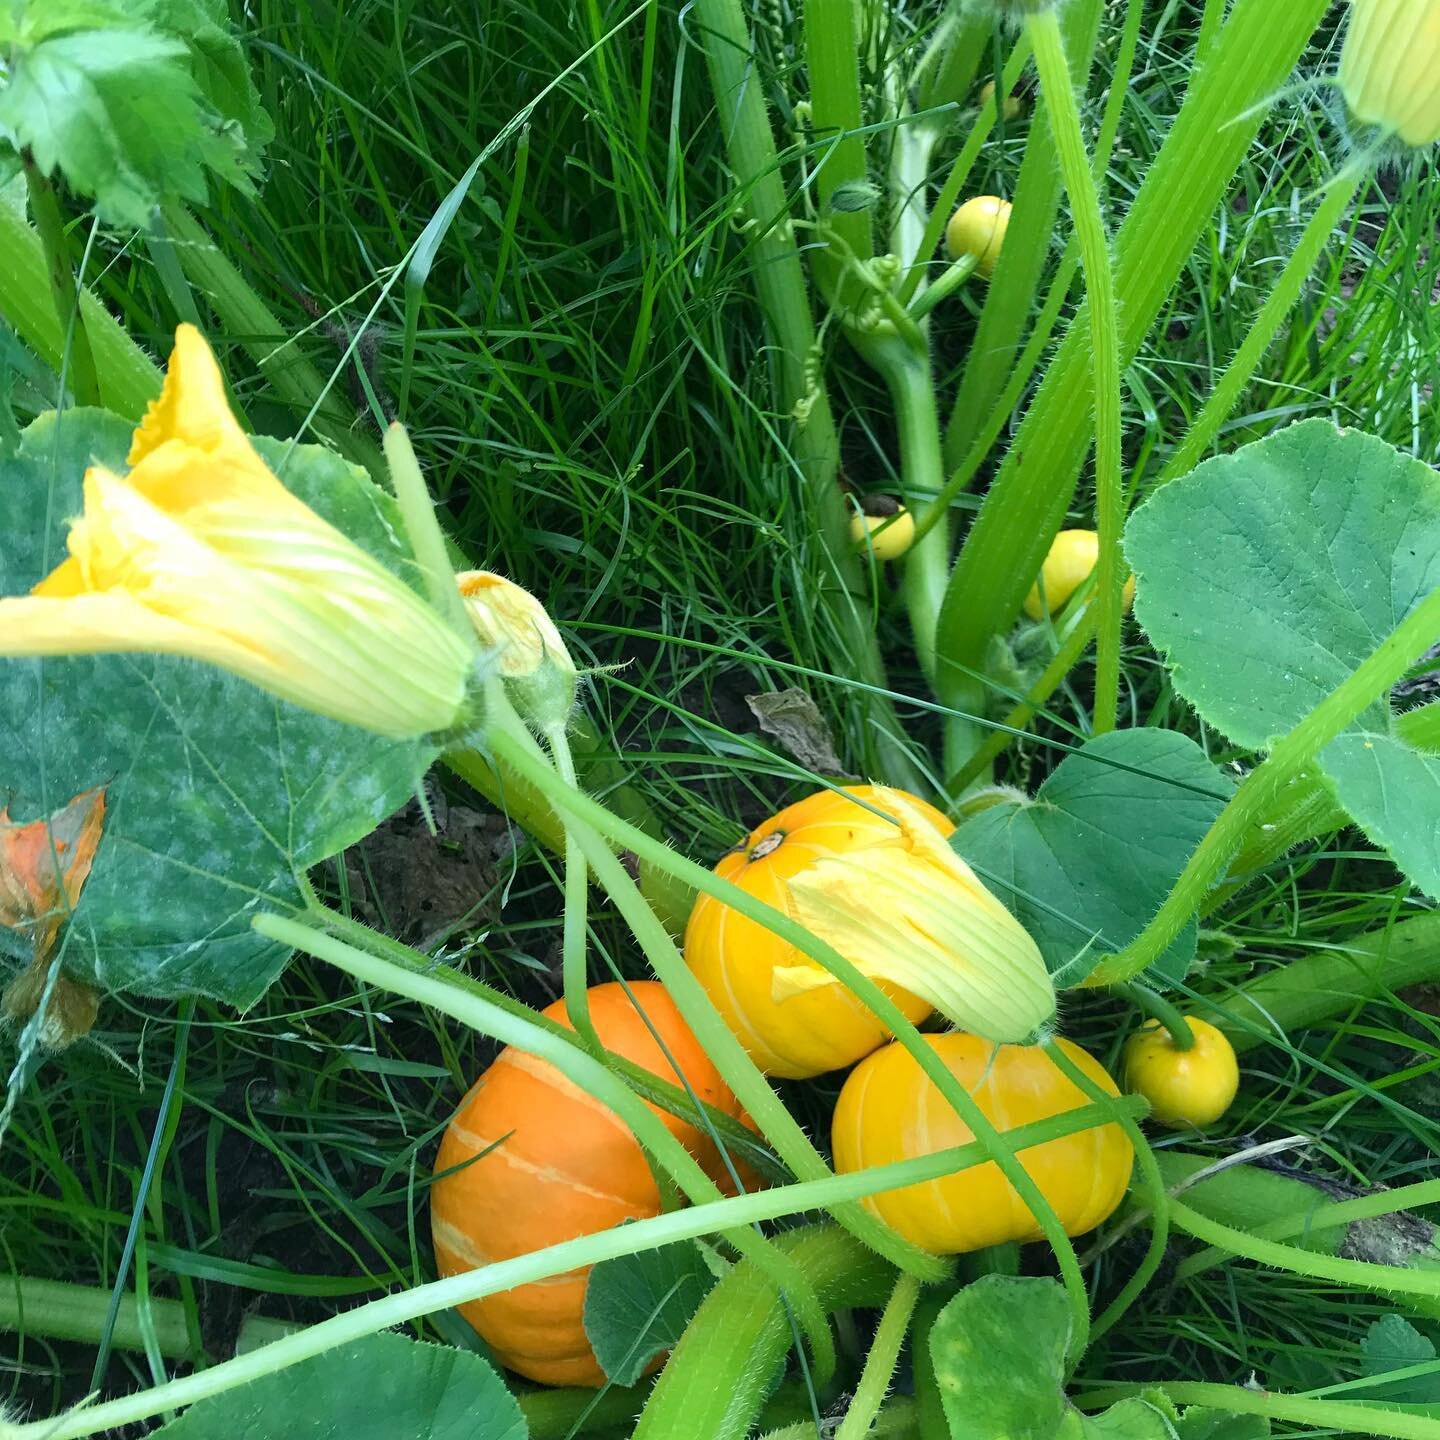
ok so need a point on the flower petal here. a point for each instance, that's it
(192, 407)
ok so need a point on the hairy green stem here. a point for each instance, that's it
(1257, 793)
(641, 1235)
(422, 528)
(1014, 291)
(880, 1362)
(576, 1065)
(573, 967)
(730, 1056)
(1044, 31)
(737, 1139)
(1150, 1003)
(1278, 304)
(1337, 1417)
(77, 363)
(1360, 1274)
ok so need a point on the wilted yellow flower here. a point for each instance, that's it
(911, 911)
(201, 551)
(530, 655)
(1390, 67)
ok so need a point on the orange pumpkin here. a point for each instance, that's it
(554, 1164)
(735, 958)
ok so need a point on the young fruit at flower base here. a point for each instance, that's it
(1185, 1088)
(1072, 558)
(555, 1164)
(535, 667)
(1012, 106)
(1390, 67)
(884, 528)
(200, 551)
(890, 1110)
(978, 228)
(868, 871)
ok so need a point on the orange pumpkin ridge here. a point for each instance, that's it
(555, 1164)
(735, 958)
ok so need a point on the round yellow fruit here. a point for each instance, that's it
(887, 537)
(1073, 555)
(978, 228)
(1185, 1088)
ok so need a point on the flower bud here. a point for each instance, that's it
(912, 912)
(1390, 67)
(535, 666)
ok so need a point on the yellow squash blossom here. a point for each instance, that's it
(911, 911)
(530, 656)
(1390, 67)
(200, 550)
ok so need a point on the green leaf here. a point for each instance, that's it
(1393, 794)
(999, 1352)
(379, 1388)
(1200, 1423)
(219, 796)
(1393, 1344)
(133, 105)
(637, 1306)
(1267, 576)
(1142, 1417)
(1088, 862)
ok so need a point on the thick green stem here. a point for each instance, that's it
(1257, 794)
(1336, 1417)
(1278, 304)
(127, 378)
(1014, 292)
(832, 56)
(1004, 736)
(734, 1348)
(906, 371)
(77, 361)
(61, 1310)
(581, 1068)
(1154, 1005)
(1044, 31)
(779, 279)
(880, 1362)
(722, 1046)
(1025, 506)
(1307, 991)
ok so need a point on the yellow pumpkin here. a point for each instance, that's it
(529, 1160)
(735, 958)
(890, 1110)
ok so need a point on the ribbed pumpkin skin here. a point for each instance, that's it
(562, 1166)
(735, 958)
(889, 1110)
